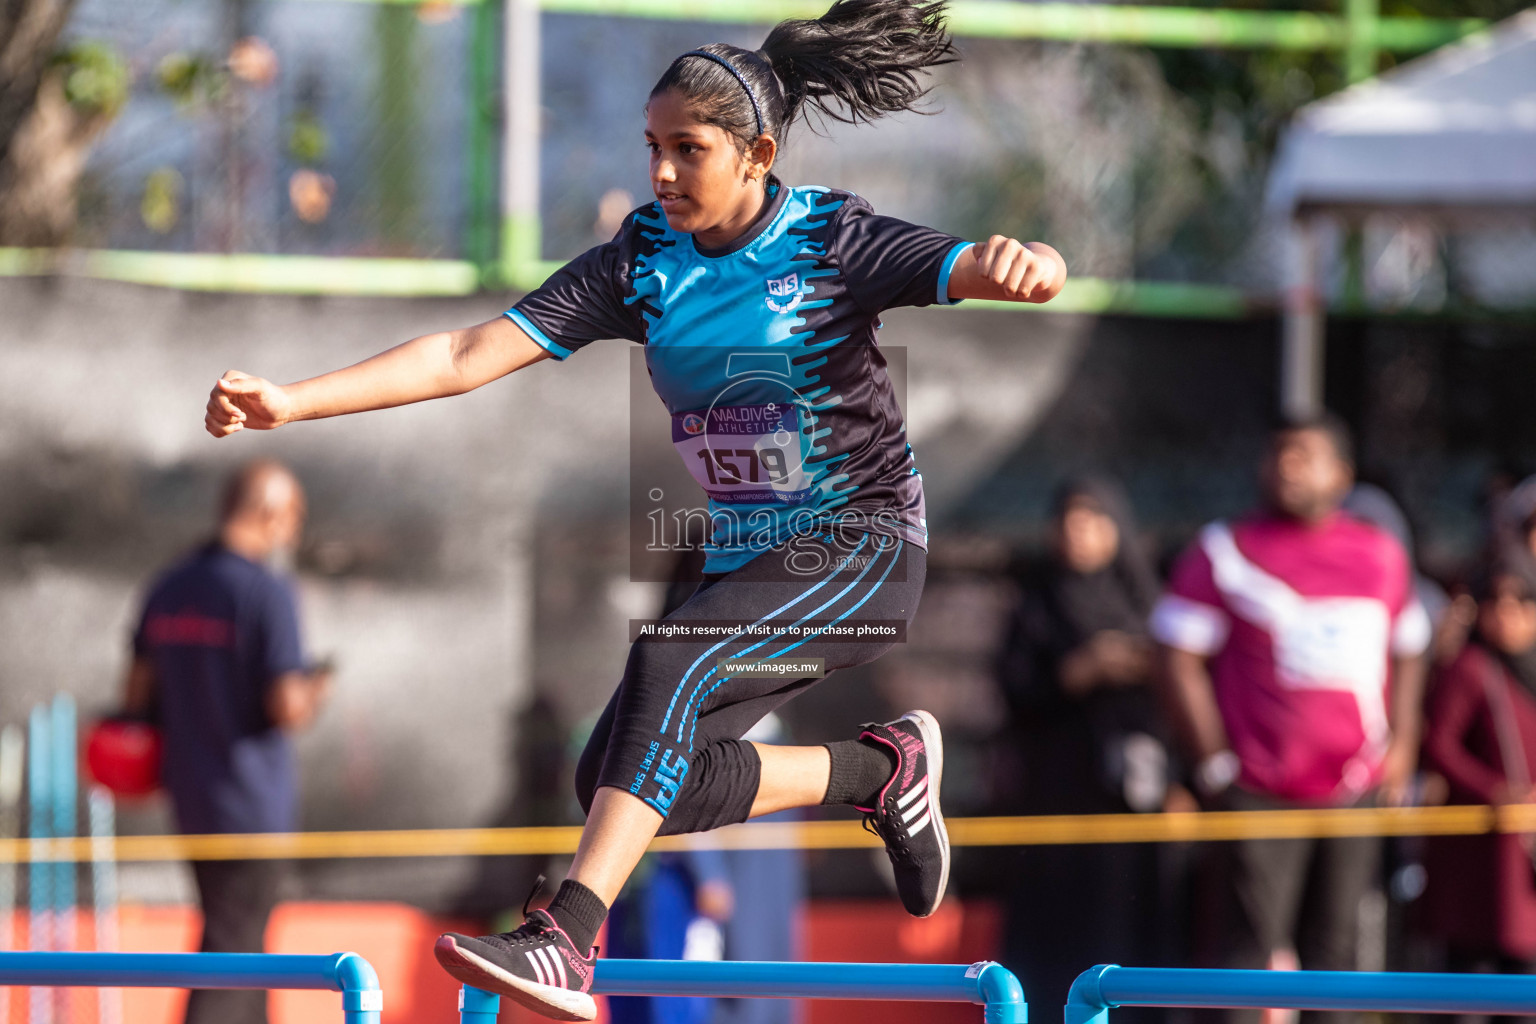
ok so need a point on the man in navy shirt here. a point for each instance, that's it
(217, 656)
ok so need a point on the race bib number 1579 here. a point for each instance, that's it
(745, 454)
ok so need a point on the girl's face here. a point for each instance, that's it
(1507, 618)
(1087, 538)
(706, 185)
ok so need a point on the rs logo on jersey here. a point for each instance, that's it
(783, 292)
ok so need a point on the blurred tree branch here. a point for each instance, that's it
(53, 104)
(29, 30)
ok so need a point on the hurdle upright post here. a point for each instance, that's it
(40, 871)
(1085, 1003)
(477, 1006)
(63, 782)
(362, 1001)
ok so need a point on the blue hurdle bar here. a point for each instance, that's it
(986, 983)
(1103, 988)
(347, 973)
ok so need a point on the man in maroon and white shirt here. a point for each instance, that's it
(1293, 650)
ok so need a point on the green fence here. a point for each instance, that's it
(499, 243)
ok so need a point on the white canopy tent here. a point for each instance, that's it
(1450, 136)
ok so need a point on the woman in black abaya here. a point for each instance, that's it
(1086, 736)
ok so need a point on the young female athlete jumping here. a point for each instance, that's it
(757, 304)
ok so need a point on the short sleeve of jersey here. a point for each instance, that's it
(583, 301)
(278, 622)
(1190, 615)
(887, 262)
(141, 644)
(1412, 630)
(140, 640)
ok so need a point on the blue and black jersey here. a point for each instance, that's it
(764, 354)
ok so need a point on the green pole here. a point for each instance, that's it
(480, 234)
(520, 233)
(397, 165)
(1362, 50)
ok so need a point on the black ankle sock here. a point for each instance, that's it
(860, 769)
(580, 911)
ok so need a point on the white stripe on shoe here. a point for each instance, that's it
(921, 824)
(557, 966)
(917, 789)
(915, 810)
(538, 965)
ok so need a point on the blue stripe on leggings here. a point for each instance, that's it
(683, 719)
(684, 680)
(895, 557)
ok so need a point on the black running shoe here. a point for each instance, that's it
(535, 965)
(907, 816)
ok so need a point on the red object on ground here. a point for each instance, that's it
(124, 756)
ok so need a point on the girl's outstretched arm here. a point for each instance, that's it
(1007, 269)
(432, 366)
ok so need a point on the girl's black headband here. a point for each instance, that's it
(756, 111)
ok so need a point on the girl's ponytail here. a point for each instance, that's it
(859, 61)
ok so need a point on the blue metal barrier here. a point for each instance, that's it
(1103, 988)
(347, 973)
(987, 983)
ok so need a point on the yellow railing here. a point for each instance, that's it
(1053, 830)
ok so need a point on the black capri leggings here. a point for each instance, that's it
(671, 733)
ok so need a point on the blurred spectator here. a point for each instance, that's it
(1514, 517)
(1372, 504)
(1450, 623)
(217, 656)
(1077, 659)
(1293, 656)
(1450, 617)
(1076, 670)
(1481, 735)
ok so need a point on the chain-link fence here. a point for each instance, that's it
(282, 126)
